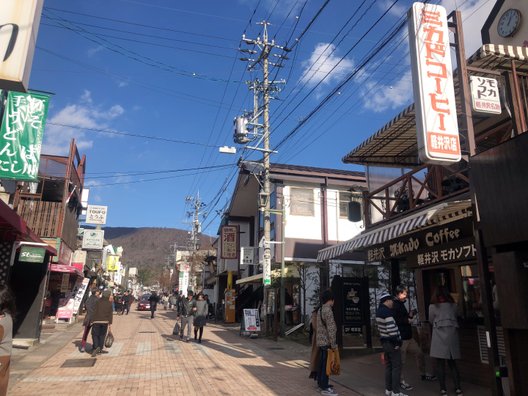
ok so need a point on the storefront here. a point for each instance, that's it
(64, 282)
(24, 260)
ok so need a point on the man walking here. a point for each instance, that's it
(391, 344)
(126, 302)
(153, 300)
(409, 345)
(101, 322)
(185, 313)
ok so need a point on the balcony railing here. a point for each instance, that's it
(50, 219)
(418, 187)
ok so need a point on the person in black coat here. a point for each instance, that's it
(101, 321)
(154, 300)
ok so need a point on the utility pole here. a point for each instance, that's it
(196, 228)
(264, 87)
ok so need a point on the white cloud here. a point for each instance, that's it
(379, 97)
(93, 51)
(325, 66)
(84, 114)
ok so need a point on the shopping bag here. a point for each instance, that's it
(333, 362)
(176, 329)
(109, 340)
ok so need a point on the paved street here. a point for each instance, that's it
(146, 360)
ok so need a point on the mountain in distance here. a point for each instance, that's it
(147, 247)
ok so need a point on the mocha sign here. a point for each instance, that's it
(439, 236)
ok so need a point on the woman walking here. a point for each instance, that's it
(101, 321)
(445, 345)
(90, 309)
(326, 339)
(200, 316)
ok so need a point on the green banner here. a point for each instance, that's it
(21, 135)
(30, 254)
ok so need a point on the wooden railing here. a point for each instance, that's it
(413, 190)
(50, 219)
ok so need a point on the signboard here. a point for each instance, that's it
(444, 254)
(30, 254)
(266, 269)
(79, 294)
(112, 263)
(230, 242)
(251, 320)
(65, 309)
(65, 282)
(93, 239)
(485, 95)
(96, 214)
(247, 255)
(430, 238)
(19, 23)
(355, 301)
(434, 94)
(21, 135)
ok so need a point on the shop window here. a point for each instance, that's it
(301, 202)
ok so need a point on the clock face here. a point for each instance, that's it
(509, 23)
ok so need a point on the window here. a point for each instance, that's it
(301, 202)
(344, 199)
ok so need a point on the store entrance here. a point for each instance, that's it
(434, 278)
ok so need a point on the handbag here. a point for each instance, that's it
(333, 362)
(109, 340)
(176, 329)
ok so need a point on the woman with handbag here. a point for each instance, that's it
(101, 322)
(326, 338)
(200, 311)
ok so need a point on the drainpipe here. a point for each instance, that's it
(325, 267)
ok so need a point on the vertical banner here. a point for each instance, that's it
(21, 135)
(434, 93)
(79, 294)
(230, 242)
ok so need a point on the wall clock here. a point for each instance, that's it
(509, 23)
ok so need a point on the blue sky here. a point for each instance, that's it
(165, 79)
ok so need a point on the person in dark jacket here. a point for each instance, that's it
(90, 309)
(200, 311)
(409, 344)
(391, 343)
(185, 314)
(153, 300)
(127, 300)
(101, 321)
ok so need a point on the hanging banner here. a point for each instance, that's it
(21, 135)
(230, 242)
(79, 294)
(112, 263)
(434, 93)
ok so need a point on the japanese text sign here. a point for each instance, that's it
(96, 214)
(229, 242)
(21, 135)
(434, 94)
(93, 239)
(485, 95)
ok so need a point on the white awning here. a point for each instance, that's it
(442, 213)
(250, 279)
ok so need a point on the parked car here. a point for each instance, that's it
(144, 303)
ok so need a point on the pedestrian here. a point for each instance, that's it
(185, 314)
(153, 300)
(409, 345)
(314, 355)
(101, 321)
(126, 302)
(200, 312)
(90, 309)
(7, 312)
(391, 344)
(326, 338)
(445, 344)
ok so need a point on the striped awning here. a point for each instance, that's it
(445, 212)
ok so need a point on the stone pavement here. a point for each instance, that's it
(146, 360)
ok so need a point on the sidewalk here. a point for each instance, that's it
(146, 360)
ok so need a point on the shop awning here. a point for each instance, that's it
(65, 268)
(442, 213)
(250, 279)
(395, 144)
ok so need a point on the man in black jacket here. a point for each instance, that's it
(185, 314)
(409, 344)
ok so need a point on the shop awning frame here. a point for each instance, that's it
(69, 269)
(442, 213)
(250, 279)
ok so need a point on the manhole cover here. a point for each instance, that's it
(78, 363)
